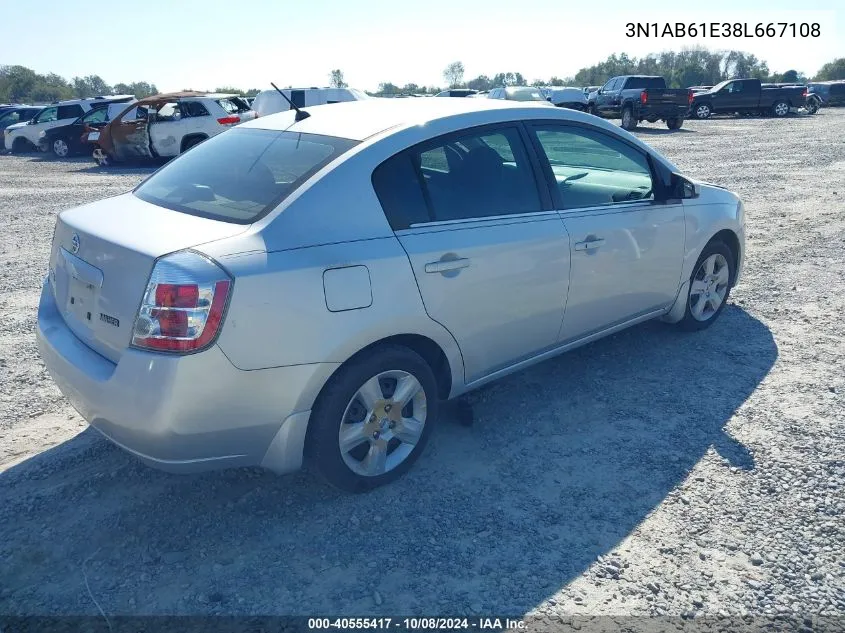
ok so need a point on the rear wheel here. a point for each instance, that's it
(780, 108)
(709, 287)
(60, 148)
(190, 142)
(702, 111)
(629, 121)
(373, 419)
(675, 123)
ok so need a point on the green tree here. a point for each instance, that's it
(482, 82)
(17, 83)
(453, 74)
(832, 70)
(336, 79)
(90, 86)
(388, 88)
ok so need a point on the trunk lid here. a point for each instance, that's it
(101, 259)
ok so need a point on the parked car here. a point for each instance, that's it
(829, 93)
(747, 96)
(26, 136)
(572, 98)
(517, 93)
(13, 116)
(456, 92)
(637, 98)
(271, 102)
(166, 125)
(315, 288)
(78, 137)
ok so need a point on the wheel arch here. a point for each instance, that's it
(188, 138)
(731, 240)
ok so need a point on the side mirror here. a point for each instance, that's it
(684, 188)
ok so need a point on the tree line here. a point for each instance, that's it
(688, 67)
(19, 84)
(682, 69)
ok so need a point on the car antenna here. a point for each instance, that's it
(300, 114)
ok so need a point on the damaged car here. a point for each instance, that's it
(165, 125)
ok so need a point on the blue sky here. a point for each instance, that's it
(248, 43)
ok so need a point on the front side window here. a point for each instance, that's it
(69, 112)
(47, 115)
(591, 168)
(240, 175)
(735, 87)
(477, 175)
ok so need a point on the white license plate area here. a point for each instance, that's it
(81, 301)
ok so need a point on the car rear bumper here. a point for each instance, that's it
(183, 413)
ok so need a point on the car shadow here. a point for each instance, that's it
(660, 131)
(564, 460)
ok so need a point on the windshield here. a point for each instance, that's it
(720, 85)
(525, 94)
(240, 175)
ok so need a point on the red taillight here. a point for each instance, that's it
(229, 120)
(643, 97)
(805, 93)
(689, 97)
(176, 296)
(183, 306)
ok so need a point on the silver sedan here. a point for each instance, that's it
(313, 287)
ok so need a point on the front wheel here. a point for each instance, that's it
(629, 121)
(60, 148)
(812, 106)
(780, 108)
(702, 111)
(709, 286)
(675, 123)
(373, 419)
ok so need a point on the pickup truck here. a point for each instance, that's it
(636, 98)
(747, 96)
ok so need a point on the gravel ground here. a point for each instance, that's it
(651, 473)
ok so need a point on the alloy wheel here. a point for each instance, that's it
(781, 109)
(60, 148)
(709, 287)
(702, 112)
(382, 423)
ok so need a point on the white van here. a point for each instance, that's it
(270, 101)
(27, 136)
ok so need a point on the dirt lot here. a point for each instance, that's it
(649, 473)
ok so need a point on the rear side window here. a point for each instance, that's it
(233, 106)
(477, 175)
(653, 83)
(70, 112)
(240, 175)
(194, 108)
(398, 189)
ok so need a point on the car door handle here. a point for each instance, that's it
(445, 265)
(589, 245)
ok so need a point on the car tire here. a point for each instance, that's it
(629, 121)
(20, 146)
(375, 453)
(812, 106)
(708, 292)
(780, 109)
(60, 148)
(702, 111)
(675, 123)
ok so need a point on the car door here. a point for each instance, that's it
(490, 256)
(78, 131)
(626, 243)
(167, 128)
(605, 97)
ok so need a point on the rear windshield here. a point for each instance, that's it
(652, 83)
(240, 175)
(234, 105)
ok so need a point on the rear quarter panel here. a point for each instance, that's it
(278, 313)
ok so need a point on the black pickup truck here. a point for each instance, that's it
(747, 96)
(635, 98)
